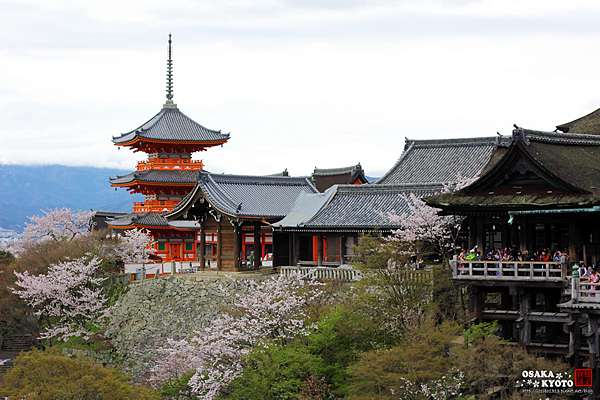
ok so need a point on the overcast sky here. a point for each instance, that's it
(298, 84)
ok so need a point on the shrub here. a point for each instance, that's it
(49, 375)
(279, 372)
(432, 357)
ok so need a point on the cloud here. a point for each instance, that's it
(297, 83)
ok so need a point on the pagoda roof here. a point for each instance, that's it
(171, 125)
(246, 196)
(439, 161)
(157, 176)
(352, 208)
(567, 164)
(588, 124)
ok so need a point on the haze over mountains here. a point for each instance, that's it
(27, 190)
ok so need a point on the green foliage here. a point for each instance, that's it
(397, 296)
(341, 336)
(477, 332)
(278, 373)
(447, 297)
(431, 352)
(49, 375)
(422, 357)
(177, 388)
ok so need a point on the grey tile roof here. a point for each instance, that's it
(172, 125)
(160, 176)
(588, 124)
(337, 171)
(146, 219)
(249, 196)
(440, 161)
(569, 162)
(352, 207)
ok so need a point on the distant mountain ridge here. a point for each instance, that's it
(27, 190)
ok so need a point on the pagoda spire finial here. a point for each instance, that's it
(169, 103)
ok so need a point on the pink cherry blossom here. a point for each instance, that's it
(270, 310)
(68, 297)
(56, 224)
(135, 246)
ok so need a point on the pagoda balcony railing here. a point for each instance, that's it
(154, 205)
(170, 164)
(508, 270)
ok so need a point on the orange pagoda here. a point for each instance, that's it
(169, 139)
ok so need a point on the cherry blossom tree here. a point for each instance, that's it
(135, 246)
(56, 224)
(271, 310)
(68, 298)
(423, 224)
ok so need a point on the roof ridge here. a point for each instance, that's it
(479, 140)
(258, 179)
(558, 137)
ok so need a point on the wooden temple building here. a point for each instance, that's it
(169, 138)
(324, 178)
(540, 195)
(322, 228)
(232, 217)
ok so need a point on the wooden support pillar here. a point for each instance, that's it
(472, 233)
(237, 242)
(342, 248)
(257, 246)
(319, 250)
(525, 306)
(573, 242)
(479, 237)
(475, 300)
(295, 256)
(202, 246)
(219, 246)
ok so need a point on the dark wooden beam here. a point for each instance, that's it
(295, 244)
(257, 246)
(219, 245)
(237, 245)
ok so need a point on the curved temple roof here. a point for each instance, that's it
(157, 176)
(351, 208)
(139, 220)
(247, 196)
(588, 124)
(568, 161)
(170, 124)
(442, 160)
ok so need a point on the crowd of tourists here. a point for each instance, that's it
(511, 254)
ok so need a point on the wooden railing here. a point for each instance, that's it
(323, 273)
(170, 164)
(589, 292)
(141, 271)
(585, 291)
(508, 270)
(154, 205)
